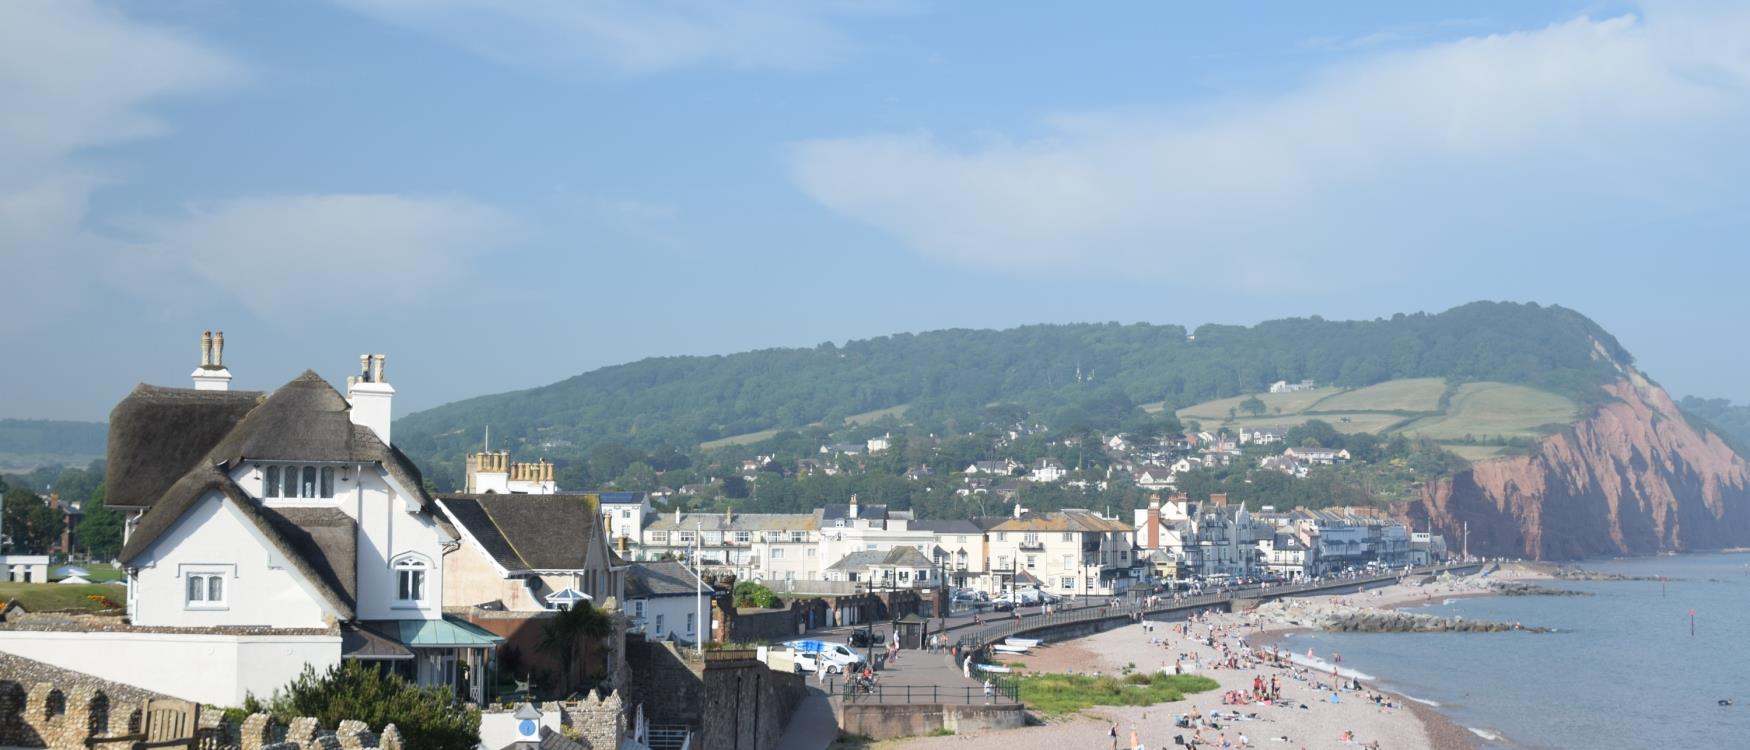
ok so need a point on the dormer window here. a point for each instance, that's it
(298, 482)
(410, 573)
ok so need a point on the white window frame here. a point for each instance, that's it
(207, 576)
(777, 553)
(410, 563)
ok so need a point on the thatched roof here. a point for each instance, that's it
(528, 532)
(157, 434)
(171, 447)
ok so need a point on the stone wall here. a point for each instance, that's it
(671, 689)
(600, 723)
(887, 721)
(82, 717)
(748, 705)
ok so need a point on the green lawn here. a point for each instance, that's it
(1058, 694)
(49, 597)
(754, 437)
(1486, 410)
(1358, 422)
(1289, 403)
(1413, 394)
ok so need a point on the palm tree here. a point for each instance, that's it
(560, 635)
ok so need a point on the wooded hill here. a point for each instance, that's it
(1067, 376)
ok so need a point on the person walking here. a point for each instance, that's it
(1113, 733)
(989, 690)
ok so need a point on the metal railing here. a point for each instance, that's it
(996, 630)
(1003, 690)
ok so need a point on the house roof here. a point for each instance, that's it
(843, 510)
(905, 557)
(945, 526)
(648, 579)
(156, 434)
(736, 522)
(528, 532)
(620, 498)
(305, 419)
(1063, 520)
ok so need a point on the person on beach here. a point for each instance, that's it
(966, 667)
(1113, 733)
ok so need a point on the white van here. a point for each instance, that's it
(838, 656)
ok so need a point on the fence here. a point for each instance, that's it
(1003, 690)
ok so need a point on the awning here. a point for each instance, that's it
(368, 644)
(445, 633)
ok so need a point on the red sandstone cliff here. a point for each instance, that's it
(1634, 479)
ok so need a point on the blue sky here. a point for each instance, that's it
(500, 195)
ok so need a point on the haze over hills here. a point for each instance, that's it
(29, 443)
(1094, 375)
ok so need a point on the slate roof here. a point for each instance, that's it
(905, 557)
(946, 526)
(648, 579)
(528, 532)
(833, 511)
(738, 522)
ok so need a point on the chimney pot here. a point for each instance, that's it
(377, 374)
(219, 349)
(364, 368)
(206, 348)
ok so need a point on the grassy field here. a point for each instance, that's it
(1058, 694)
(1289, 403)
(99, 572)
(1358, 421)
(1476, 452)
(1484, 410)
(46, 597)
(1414, 394)
(754, 437)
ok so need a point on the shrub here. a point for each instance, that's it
(426, 716)
(751, 594)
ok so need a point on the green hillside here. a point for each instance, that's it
(1475, 420)
(1066, 376)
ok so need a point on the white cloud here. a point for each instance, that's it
(76, 76)
(631, 36)
(1432, 148)
(320, 255)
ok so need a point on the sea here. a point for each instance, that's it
(1622, 670)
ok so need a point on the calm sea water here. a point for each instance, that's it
(1622, 671)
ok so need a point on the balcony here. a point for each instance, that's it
(1032, 546)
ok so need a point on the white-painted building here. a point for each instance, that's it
(663, 601)
(1071, 551)
(24, 568)
(625, 514)
(283, 515)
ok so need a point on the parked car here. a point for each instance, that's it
(1002, 605)
(836, 654)
(865, 638)
(807, 663)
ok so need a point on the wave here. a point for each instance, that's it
(1423, 701)
(1485, 734)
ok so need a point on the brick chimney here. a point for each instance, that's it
(1218, 499)
(371, 396)
(853, 509)
(212, 375)
(1154, 521)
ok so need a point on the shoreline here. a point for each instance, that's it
(1305, 716)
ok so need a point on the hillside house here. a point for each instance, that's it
(1047, 469)
(1262, 435)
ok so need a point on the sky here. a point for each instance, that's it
(502, 195)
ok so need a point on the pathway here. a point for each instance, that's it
(813, 726)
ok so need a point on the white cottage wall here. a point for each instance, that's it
(389, 527)
(261, 588)
(229, 666)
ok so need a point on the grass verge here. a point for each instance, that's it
(54, 597)
(1058, 694)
